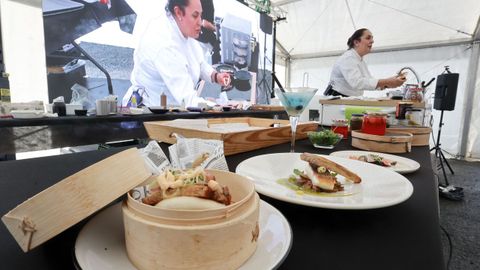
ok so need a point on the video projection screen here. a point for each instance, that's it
(246, 43)
(242, 43)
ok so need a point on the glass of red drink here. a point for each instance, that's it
(374, 123)
(340, 126)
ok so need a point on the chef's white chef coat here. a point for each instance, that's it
(167, 62)
(350, 75)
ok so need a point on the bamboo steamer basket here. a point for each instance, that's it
(421, 135)
(391, 142)
(222, 238)
(226, 238)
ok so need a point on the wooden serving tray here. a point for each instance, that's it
(259, 107)
(259, 132)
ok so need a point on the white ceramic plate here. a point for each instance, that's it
(380, 187)
(101, 242)
(404, 165)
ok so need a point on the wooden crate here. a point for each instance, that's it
(398, 142)
(233, 142)
(421, 135)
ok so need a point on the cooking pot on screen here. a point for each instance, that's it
(240, 79)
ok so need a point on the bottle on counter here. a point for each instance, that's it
(402, 109)
(163, 101)
(60, 108)
(356, 121)
(414, 94)
(414, 117)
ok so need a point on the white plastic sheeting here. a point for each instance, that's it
(319, 26)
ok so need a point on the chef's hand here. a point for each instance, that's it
(391, 82)
(399, 80)
(208, 25)
(402, 75)
(223, 79)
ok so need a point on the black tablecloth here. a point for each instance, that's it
(404, 236)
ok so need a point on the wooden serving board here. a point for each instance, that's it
(369, 102)
(262, 134)
(259, 107)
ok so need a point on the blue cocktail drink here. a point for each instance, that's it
(295, 100)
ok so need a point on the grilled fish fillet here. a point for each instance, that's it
(331, 166)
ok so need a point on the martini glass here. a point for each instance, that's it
(295, 100)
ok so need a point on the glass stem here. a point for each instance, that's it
(293, 126)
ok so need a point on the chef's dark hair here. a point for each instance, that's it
(180, 3)
(356, 36)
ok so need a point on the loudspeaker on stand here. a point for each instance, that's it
(446, 92)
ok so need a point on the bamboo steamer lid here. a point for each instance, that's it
(391, 142)
(421, 135)
(74, 198)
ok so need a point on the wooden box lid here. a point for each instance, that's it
(74, 198)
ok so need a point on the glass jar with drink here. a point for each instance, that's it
(340, 126)
(374, 123)
(356, 121)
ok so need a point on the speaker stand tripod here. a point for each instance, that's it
(263, 84)
(448, 191)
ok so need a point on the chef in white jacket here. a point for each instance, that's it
(350, 75)
(169, 60)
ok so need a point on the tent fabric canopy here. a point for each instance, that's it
(320, 26)
(426, 35)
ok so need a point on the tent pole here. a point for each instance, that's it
(288, 72)
(470, 92)
(468, 100)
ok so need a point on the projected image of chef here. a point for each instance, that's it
(350, 75)
(208, 35)
(169, 60)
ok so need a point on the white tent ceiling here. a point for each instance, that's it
(423, 34)
(321, 27)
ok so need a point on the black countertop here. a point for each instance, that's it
(404, 236)
(75, 120)
(23, 135)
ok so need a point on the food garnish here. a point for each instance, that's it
(192, 183)
(375, 159)
(320, 175)
(324, 137)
